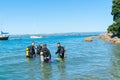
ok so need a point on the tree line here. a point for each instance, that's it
(115, 27)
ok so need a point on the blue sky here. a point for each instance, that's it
(55, 16)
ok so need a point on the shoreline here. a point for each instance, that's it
(107, 37)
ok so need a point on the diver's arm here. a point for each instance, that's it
(33, 49)
(58, 51)
(49, 54)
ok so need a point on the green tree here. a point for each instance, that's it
(115, 27)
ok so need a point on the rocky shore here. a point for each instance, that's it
(106, 37)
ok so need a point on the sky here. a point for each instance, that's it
(55, 16)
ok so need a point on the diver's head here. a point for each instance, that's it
(58, 44)
(45, 46)
(33, 43)
(41, 44)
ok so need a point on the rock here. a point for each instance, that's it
(94, 37)
(89, 39)
(105, 37)
(109, 34)
(115, 40)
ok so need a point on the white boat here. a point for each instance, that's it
(35, 36)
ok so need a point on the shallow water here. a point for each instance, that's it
(85, 61)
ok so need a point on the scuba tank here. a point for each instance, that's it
(46, 56)
(30, 52)
(27, 52)
(42, 57)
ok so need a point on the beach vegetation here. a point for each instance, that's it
(115, 27)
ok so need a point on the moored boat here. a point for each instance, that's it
(4, 36)
(35, 36)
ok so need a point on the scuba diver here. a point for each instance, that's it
(45, 54)
(30, 51)
(60, 51)
(39, 48)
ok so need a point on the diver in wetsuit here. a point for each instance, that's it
(60, 51)
(39, 48)
(31, 50)
(46, 53)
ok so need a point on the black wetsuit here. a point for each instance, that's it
(39, 48)
(46, 54)
(32, 51)
(61, 52)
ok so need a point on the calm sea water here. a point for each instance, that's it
(97, 60)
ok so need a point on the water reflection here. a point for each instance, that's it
(29, 59)
(115, 63)
(53, 71)
(61, 68)
(30, 69)
(46, 71)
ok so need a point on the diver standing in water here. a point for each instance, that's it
(60, 51)
(30, 51)
(45, 54)
(39, 48)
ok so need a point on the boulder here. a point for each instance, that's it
(115, 40)
(94, 37)
(105, 37)
(89, 39)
